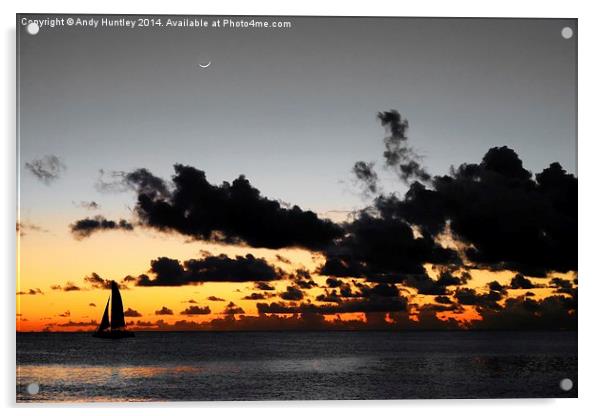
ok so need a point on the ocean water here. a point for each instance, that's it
(166, 366)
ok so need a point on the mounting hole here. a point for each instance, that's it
(566, 32)
(566, 384)
(33, 28)
(33, 388)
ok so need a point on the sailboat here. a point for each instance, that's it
(113, 328)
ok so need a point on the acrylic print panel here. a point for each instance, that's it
(285, 208)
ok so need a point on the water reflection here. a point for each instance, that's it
(296, 366)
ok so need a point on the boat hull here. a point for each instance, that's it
(113, 334)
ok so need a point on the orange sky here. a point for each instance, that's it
(51, 256)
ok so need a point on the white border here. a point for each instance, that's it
(590, 93)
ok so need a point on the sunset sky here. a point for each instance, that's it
(126, 146)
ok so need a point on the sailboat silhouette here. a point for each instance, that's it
(113, 328)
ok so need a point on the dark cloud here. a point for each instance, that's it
(438, 287)
(232, 212)
(381, 289)
(282, 259)
(92, 304)
(292, 293)
(365, 174)
(443, 299)
(372, 304)
(564, 286)
(519, 313)
(196, 310)
(521, 282)
(381, 247)
(510, 220)
(65, 314)
(131, 313)
(302, 274)
(164, 311)
(559, 283)
(144, 182)
(497, 286)
(448, 278)
(306, 284)
(232, 309)
(425, 285)
(254, 296)
(47, 169)
(469, 296)
(97, 282)
(345, 292)
(69, 287)
(302, 278)
(264, 286)
(35, 291)
(129, 279)
(170, 272)
(398, 154)
(84, 228)
(304, 321)
(381, 297)
(332, 282)
(215, 299)
(329, 296)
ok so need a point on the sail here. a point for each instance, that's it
(117, 318)
(104, 324)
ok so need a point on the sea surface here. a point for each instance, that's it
(192, 366)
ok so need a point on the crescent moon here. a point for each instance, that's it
(205, 65)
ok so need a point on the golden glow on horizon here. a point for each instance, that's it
(54, 257)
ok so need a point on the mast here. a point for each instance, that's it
(117, 317)
(104, 323)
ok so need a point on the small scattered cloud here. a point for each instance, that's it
(164, 311)
(196, 310)
(47, 169)
(131, 313)
(89, 205)
(87, 226)
(264, 286)
(78, 323)
(23, 228)
(35, 291)
(233, 309)
(254, 296)
(69, 287)
(366, 175)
